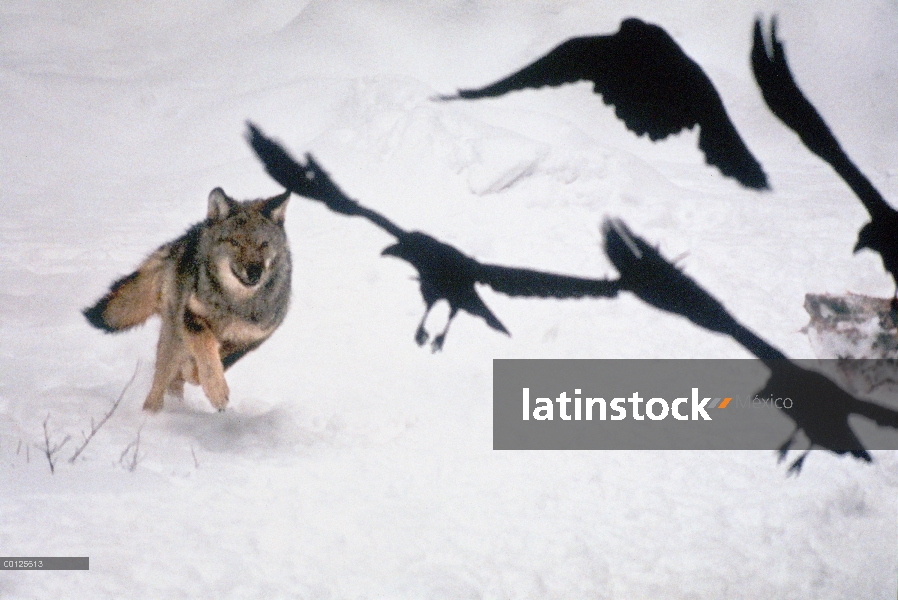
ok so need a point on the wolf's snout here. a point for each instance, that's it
(249, 275)
(254, 273)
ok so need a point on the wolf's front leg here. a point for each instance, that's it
(204, 347)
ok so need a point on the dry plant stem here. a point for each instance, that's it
(49, 451)
(95, 428)
(134, 447)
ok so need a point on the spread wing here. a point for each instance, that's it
(525, 282)
(654, 87)
(786, 101)
(645, 273)
(570, 62)
(311, 181)
(724, 148)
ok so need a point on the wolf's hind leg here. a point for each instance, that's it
(169, 356)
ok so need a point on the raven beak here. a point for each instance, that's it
(864, 237)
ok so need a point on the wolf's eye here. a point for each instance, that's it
(263, 245)
(234, 243)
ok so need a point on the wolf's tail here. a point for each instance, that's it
(131, 300)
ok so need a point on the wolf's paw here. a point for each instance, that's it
(219, 403)
(220, 406)
(217, 391)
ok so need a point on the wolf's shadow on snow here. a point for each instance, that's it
(231, 432)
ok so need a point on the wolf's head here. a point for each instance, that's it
(247, 243)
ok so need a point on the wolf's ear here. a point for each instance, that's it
(276, 208)
(220, 206)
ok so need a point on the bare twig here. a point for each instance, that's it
(196, 462)
(134, 449)
(95, 428)
(136, 456)
(48, 450)
(121, 458)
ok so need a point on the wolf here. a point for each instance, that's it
(221, 289)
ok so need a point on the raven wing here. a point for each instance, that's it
(311, 181)
(645, 273)
(881, 415)
(571, 61)
(785, 99)
(788, 103)
(724, 148)
(526, 282)
(654, 87)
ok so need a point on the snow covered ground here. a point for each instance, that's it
(351, 463)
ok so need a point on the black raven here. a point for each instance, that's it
(824, 420)
(788, 103)
(654, 87)
(443, 271)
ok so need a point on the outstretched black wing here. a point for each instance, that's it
(574, 60)
(724, 148)
(311, 181)
(654, 87)
(785, 100)
(528, 283)
(647, 274)
(788, 103)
